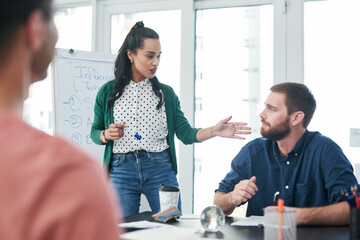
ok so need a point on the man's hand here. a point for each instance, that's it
(243, 191)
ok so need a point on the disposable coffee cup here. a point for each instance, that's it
(169, 196)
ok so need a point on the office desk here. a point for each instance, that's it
(234, 232)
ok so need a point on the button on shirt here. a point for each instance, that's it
(313, 174)
(137, 108)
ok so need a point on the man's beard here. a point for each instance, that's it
(278, 132)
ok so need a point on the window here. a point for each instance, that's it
(331, 53)
(74, 30)
(233, 74)
(74, 27)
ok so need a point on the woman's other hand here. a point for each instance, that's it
(115, 131)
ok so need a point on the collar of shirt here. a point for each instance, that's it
(141, 84)
(295, 151)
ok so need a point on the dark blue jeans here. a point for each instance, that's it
(141, 172)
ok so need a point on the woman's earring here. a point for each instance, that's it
(131, 61)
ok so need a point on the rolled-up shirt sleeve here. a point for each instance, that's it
(338, 172)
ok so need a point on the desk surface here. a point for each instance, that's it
(236, 232)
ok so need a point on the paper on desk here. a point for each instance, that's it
(189, 216)
(143, 224)
(254, 221)
(166, 233)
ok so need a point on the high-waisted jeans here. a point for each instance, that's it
(139, 172)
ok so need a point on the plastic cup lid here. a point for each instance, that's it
(166, 188)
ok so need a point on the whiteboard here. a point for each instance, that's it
(77, 77)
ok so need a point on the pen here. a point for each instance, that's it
(352, 196)
(355, 198)
(358, 203)
(135, 134)
(280, 209)
(351, 201)
(276, 197)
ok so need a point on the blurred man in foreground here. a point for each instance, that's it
(48, 189)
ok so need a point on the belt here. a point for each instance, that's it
(138, 151)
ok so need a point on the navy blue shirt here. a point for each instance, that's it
(313, 174)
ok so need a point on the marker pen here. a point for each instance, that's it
(133, 133)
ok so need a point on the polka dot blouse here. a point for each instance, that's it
(137, 108)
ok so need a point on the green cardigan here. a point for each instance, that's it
(176, 121)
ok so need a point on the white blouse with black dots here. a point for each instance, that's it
(137, 108)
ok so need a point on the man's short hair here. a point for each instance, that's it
(298, 97)
(14, 13)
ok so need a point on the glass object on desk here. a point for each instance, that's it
(212, 218)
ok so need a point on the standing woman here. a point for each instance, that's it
(137, 117)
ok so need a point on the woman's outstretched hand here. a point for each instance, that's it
(231, 129)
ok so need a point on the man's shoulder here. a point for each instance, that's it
(62, 150)
(259, 142)
(255, 147)
(322, 145)
(51, 151)
(38, 147)
(315, 137)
